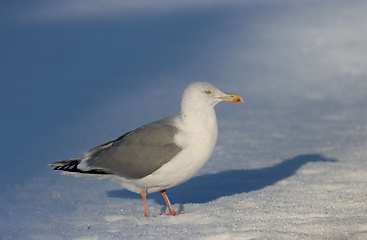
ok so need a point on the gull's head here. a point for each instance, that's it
(202, 95)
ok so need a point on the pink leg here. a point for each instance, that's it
(171, 212)
(144, 197)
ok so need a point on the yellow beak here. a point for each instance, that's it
(231, 97)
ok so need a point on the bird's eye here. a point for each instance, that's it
(208, 92)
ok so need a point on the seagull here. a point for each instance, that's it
(160, 154)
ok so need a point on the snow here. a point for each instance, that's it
(289, 163)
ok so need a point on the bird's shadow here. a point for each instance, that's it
(206, 188)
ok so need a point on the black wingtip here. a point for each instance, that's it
(72, 166)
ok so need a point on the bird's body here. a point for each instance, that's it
(161, 154)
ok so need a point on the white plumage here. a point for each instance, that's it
(162, 154)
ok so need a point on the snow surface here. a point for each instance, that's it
(289, 163)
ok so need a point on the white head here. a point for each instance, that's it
(201, 96)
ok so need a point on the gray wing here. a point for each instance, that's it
(137, 153)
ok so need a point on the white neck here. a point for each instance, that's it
(203, 125)
(201, 118)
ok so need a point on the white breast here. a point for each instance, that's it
(198, 139)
